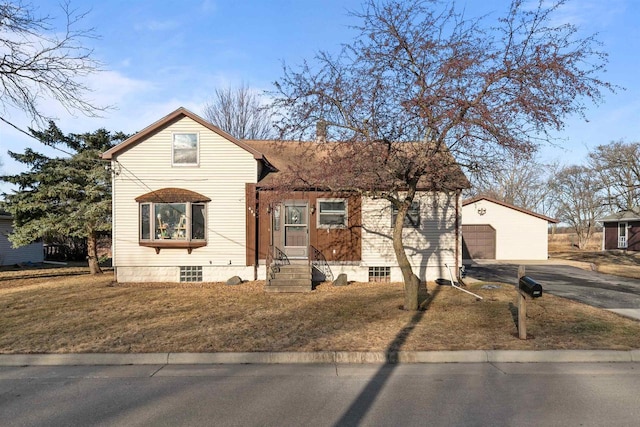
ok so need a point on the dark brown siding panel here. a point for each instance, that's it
(251, 201)
(611, 235)
(478, 242)
(339, 244)
(264, 225)
(634, 236)
(336, 244)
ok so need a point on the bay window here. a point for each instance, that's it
(172, 221)
(172, 218)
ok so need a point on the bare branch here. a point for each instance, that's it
(37, 62)
(240, 112)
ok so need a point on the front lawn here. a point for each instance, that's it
(67, 310)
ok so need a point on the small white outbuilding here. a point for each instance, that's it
(492, 229)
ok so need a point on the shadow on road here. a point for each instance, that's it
(360, 407)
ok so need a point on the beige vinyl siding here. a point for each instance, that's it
(519, 236)
(9, 255)
(223, 170)
(428, 248)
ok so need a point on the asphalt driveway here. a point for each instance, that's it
(613, 293)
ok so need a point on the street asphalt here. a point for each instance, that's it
(618, 294)
(452, 394)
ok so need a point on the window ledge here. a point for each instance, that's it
(173, 244)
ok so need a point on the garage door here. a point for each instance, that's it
(478, 242)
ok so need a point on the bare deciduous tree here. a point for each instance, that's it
(419, 70)
(579, 200)
(519, 180)
(240, 112)
(618, 166)
(38, 61)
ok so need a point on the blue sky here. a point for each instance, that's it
(159, 55)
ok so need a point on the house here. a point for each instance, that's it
(621, 230)
(33, 253)
(492, 229)
(192, 203)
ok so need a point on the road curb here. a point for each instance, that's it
(325, 357)
(71, 359)
(556, 356)
(250, 358)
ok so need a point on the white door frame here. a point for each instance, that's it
(295, 219)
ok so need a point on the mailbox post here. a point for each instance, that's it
(527, 287)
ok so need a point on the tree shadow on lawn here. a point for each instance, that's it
(361, 405)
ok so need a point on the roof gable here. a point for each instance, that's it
(169, 120)
(510, 206)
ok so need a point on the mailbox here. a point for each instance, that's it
(530, 287)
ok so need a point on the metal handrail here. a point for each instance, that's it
(275, 258)
(318, 261)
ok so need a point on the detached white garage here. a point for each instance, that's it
(492, 229)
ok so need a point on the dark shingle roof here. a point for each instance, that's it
(309, 161)
(172, 195)
(632, 214)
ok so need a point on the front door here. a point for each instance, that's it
(622, 234)
(295, 229)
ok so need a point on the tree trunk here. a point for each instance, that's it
(411, 281)
(92, 249)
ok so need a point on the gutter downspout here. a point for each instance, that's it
(113, 164)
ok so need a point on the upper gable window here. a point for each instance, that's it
(185, 149)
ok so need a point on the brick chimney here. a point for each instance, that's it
(321, 131)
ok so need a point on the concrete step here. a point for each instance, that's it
(291, 278)
(284, 289)
(291, 282)
(296, 268)
(293, 272)
(286, 275)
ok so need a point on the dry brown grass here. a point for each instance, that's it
(620, 263)
(80, 313)
(566, 241)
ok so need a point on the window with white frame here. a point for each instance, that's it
(411, 219)
(185, 149)
(380, 274)
(332, 213)
(172, 221)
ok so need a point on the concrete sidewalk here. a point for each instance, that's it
(326, 357)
